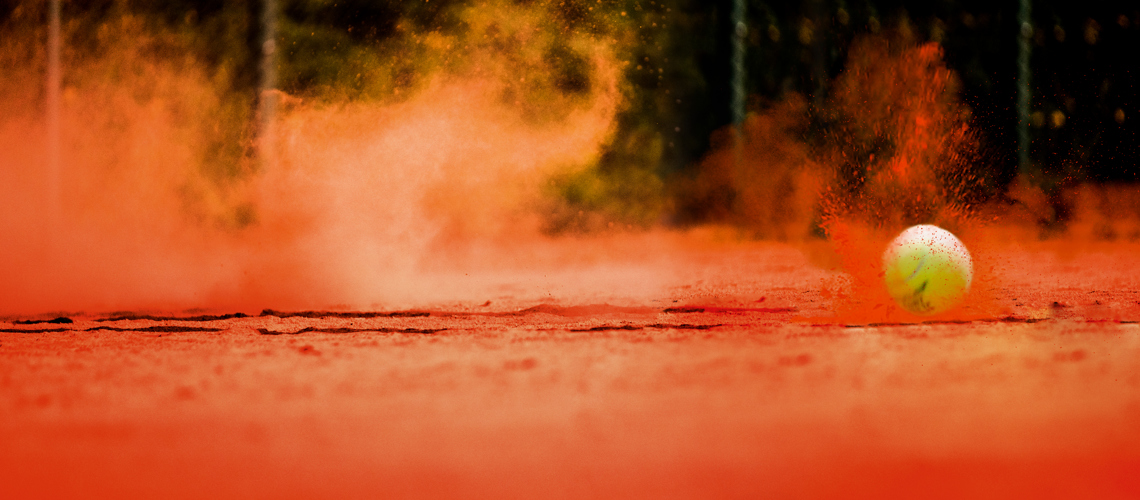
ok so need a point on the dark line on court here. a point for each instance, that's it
(730, 309)
(58, 321)
(586, 310)
(605, 328)
(1014, 319)
(424, 331)
(684, 310)
(156, 329)
(351, 314)
(1007, 319)
(659, 326)
(148, 317)
(683, 326)
(46, 330)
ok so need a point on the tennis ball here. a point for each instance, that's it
(927, 269)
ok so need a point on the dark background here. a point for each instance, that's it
(1084, 113)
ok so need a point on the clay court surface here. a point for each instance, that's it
(739, 379)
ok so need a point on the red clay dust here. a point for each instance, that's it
(372, 307)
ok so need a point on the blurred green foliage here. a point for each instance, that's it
(677, 75)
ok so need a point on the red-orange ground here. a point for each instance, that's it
(742, 383)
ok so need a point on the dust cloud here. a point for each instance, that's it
(434, 195)
(438, 193)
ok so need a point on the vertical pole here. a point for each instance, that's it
(818, 52)
(54, 78)
(1025, 36)
(267, 98)
(739, 33)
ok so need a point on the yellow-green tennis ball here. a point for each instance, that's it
(927, 269)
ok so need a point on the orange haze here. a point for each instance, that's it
(437, 196)
(361, 204)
